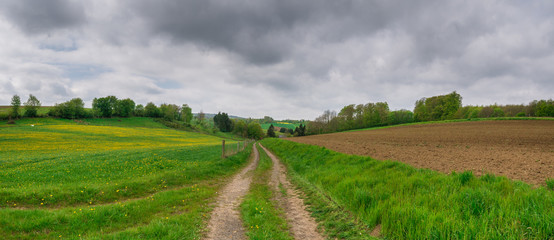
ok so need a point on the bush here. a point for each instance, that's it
(520, 114)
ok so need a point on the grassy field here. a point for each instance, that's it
(262, 218)
(107, 179)
(409, 203)
(292, 126)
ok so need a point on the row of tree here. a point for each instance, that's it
(442, 107)
(30, 108)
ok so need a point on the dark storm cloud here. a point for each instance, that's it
(43, 16)
(265, 32)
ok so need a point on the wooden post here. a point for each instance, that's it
(223, 149)
(238, 147)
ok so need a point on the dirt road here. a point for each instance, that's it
(303, 226)
(225, 222)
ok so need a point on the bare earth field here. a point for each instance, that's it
(521, 150)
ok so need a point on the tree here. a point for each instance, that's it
(271, 131)
(31, 106)
(222, 121)
(300, 130)
(16, 103)
(151, 110)
(139, 111)
(104, 107)
(201, 116)
(186, 113)
(283, 130)
(255, 131)
(124, 107)
(169, 112)
(240, 128)
(75, 108)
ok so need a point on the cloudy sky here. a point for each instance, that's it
(282, 58)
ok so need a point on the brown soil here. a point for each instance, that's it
(519, 149)
(303, 226)
(225, 221)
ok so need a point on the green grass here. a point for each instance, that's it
(262, 218)
(61, 177)
(410, 203)
(292, 126)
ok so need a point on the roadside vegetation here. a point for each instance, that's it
(94, 180)
(409, 203)
(260, 213)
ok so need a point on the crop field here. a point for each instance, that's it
(66, 179)
(520, 150)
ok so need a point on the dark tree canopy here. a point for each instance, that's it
(72, 109)
(222, 121)
(271, 131)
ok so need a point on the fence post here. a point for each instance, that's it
(223, 149)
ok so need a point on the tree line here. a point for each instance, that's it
(435, 108)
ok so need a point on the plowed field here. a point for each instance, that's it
(521, 150)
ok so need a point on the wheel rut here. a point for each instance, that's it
(225, 221)
(303, 226)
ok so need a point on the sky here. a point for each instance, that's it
(287, 59)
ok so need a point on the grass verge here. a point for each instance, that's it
(262, 218)
(410, 203)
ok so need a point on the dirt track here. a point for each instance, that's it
(225, 221)
(522, 150)
(303, 226)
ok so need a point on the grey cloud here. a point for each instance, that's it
(43, 16)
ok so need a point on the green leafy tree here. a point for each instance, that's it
(169, 112)
(223, 123)
(104, 107)
(139, 111)
(31, 106)
(75, 108)
(151, 110)
(271, 131)
(255, 131)
(186, 114)
(240, 128)
(124, 107)
(16, 104)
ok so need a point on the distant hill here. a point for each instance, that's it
(212, 115)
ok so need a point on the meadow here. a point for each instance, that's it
(349, 193)
(139, 179)
(288, 125)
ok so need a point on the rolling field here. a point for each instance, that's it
(62, 179)
(521, 150)
(292, 126)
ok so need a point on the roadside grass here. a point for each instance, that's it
(411, 203)
(260, 213)
(60, 178)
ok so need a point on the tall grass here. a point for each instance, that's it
(410, 203)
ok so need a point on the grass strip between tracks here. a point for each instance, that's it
(262, 218)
